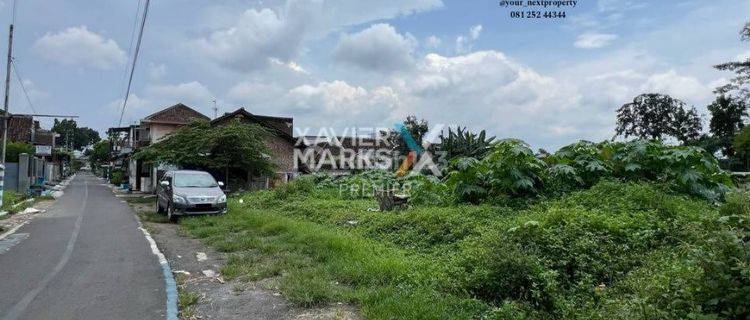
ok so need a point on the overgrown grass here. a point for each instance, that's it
(12, 202)
(617, 250)
(186, 302)
(141, 199)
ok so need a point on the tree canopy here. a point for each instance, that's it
(740, 84)
(74, 136)
(99, 154)
(657, 116)
(202, 146)
(14, 148)
(727, 119)
(416, 128)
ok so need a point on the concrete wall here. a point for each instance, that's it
(159, 130)
(11, 176)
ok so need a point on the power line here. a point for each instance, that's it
(135, 61)
(121, 87)
(20, 82)
(13, 12)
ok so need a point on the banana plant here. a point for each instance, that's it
(464, 143)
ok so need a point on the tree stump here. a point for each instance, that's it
(389, 200)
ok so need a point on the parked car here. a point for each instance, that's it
(188, 192)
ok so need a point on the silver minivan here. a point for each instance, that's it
(189, 192)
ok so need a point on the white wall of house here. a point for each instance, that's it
(159, 130)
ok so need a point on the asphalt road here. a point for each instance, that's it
(83, 259)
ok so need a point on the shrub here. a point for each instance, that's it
(118, 177)
(15, 148)
(553, 257)
(511, 168)
(688, 169)
(10, 199)
(299, 186)
(426, 190)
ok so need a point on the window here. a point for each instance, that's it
(194, 180)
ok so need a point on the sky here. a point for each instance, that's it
(333, 65)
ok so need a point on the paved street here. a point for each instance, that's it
(83, 259)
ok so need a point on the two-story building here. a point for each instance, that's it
(143, 176)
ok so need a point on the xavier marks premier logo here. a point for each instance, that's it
(369, 148)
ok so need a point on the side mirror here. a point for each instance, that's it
(221, 184)
(165, 183)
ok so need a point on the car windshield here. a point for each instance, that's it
(194, 180)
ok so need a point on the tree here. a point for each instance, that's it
(727, 116)
(72, 135)
(740, 84)
(741, 144)
(202, 146)
(13, 149)
(99, 154)
(657, 116)
(415, 128)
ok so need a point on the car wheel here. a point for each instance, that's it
(170, 213)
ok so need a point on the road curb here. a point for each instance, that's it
(170, 283)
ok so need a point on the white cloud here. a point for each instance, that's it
(157, 97)
(81, 48)
(156, 71)
(261, 35)
(685, 88)
(338, 103)
(594, 40)
(433, 42)
(465, 43)
(188, 92)
(475, 31)
(482, 90)
(378, 48)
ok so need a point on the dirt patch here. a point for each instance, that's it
(205, 294)
(11, 221)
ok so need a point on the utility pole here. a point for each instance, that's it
(216, 109)
(6, 115)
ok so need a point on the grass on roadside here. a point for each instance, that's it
(146, 199)
(14, 202)
(319, 265)
(612, 251)
(151, 216)
(187, 300)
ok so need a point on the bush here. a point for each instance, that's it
(13, 149)
(426, 190)
(10, 200)
(554, 257)
(687, 169)
(512, 170)
(118, 177)
(299, 186)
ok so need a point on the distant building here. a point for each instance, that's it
(23, 128)
(280, 144)
(141, 175)
(144, 176)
